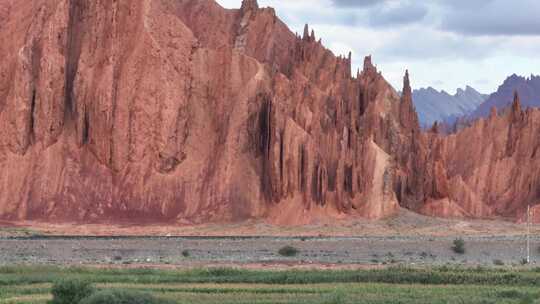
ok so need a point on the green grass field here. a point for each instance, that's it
(223, 286)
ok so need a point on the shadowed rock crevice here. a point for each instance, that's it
(302, 164)
(332, 176)
(265, 146)
(86, 129)
(32, 120)
(281, 153)
(348, 180)
(73, 51)
(265, 126)
(317, 184)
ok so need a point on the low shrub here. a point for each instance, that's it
(70, 291)
(120, 296)
(185, 253)
(528, 299)
(498, 262)
(336, 297)
(510, 294)
(288, 251)
(459, 246)
(223, 272)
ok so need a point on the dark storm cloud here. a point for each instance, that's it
(491, 17)
(405, 13)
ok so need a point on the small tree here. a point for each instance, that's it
(459, 246)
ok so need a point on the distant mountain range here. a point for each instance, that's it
(528, 89)
(432, 105)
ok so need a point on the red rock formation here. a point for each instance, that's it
(180, 110)
(488, 169)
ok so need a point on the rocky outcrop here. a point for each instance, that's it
(182, 111)
(488, 169)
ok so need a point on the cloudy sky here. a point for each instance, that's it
(445, 44)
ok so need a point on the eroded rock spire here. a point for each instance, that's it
(407, 92)
(248, 5)
(516, 113)
(516, 104)
(493, 112)
(435, 128)
(305, 36)
(408, 116)
(369, 68)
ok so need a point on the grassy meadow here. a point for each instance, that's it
(32, 284)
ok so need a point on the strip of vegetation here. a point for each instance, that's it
(396, 275)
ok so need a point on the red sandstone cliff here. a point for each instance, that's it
(488, 169)
(180, 110)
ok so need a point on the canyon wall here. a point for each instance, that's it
(491, 168)
(182, 111)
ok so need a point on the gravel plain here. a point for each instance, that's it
(263, 251)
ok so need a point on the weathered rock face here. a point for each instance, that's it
(489, 169)
(180, 110)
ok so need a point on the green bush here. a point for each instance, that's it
(70, 291)
(185, 253)
(288, 251)
(510, 294)
(498, 262)
(223, 271)
(118, 296)
(459, 246)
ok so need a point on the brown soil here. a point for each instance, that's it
(404, 224)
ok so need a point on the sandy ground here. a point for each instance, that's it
(408, 239)
(404, 224)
